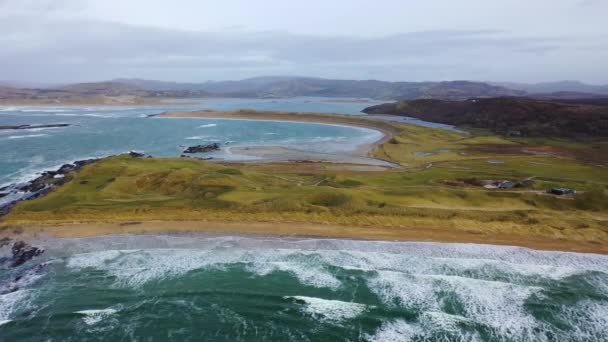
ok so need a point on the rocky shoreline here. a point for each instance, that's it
(202, 148)
(44, 183)
(20, 253)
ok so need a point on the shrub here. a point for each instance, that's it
(329, 199)
(230, 172)
(349, 183)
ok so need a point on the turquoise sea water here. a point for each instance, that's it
(103, 131)
(205, 288)
(223, 288)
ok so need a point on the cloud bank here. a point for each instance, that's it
(56, 41)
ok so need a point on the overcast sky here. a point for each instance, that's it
(408, 40)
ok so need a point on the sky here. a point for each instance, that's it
(62, 41)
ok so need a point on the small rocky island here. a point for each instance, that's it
(34, 126)
(203, 148)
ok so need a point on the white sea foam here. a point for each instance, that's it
(207, 125)
(307, 274)
(5, 322)
(13, 301)
(405, 290)
(92, 317)
(93, 260)
(441, 321)
(497, 305)
(135, 268)
(38, 129)
(329, 310)
(43, 110)
(589, 320)
(87, 115)
(449, 286)
(396, 331)
(199, 137)
(26, 136)
(403, 331)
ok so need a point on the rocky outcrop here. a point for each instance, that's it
(20, 253)
(203, 148)
(34, 126)
(48, 179)
(46, 182)
(23, 252)
(134, 154)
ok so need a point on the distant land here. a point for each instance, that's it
(509, 115)
(139, 91)
(555, 87)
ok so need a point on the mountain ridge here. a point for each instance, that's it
(292, 86)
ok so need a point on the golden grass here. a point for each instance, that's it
(393, 203)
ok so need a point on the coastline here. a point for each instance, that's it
(302, 230)
(99, 101)
(364, 150)
(486, 230)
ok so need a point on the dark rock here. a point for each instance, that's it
(34, 126)
(81, 163)
(134, 154)
(562, 191)
(23, 252)
(203, 148)
(4, 241)
(43, 184)
(65, 168)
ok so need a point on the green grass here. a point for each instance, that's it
(123, 188)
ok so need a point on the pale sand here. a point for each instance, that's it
(278, 153)
(361, 154)
(311, 230)
(84, 229)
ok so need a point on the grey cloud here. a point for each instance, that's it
(98, 49)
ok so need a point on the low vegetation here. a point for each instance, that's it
(122, 188)
(508, 115)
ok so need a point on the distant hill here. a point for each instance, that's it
(288, 86)
(507, 115)
(29, 85)
(285, 86)
(556, 87)
(103, 88)
(7, 92)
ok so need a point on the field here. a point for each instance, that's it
(424, 200)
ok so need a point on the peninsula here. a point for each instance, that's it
(436, 193)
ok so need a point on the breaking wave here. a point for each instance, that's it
(314, 289)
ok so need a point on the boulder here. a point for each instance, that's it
(203, 148)
(134, 154)
(23, 252)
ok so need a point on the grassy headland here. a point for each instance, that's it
(426, 200)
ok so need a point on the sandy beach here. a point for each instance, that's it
(311, 230)
(360, 155)
(298, 193)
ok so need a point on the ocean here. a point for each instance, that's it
(97, 131)
(238, 288)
